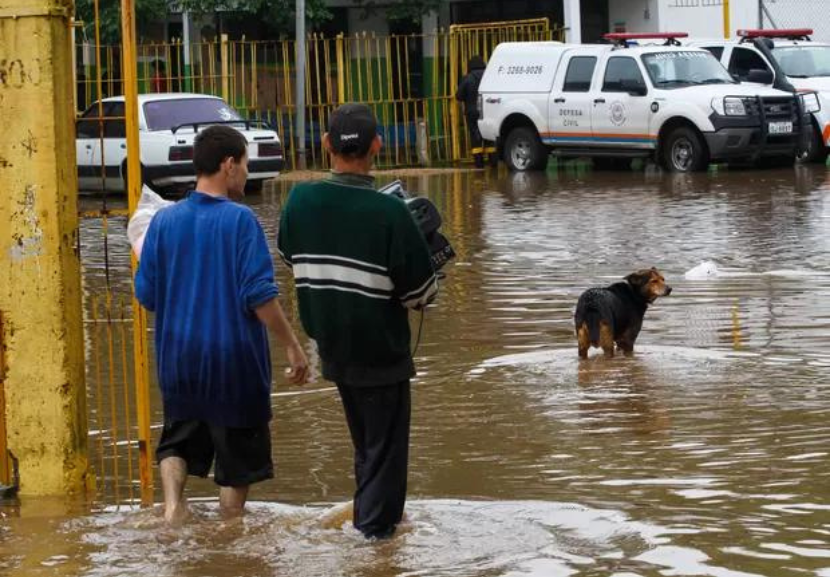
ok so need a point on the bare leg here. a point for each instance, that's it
(232, 501)
(173, 479)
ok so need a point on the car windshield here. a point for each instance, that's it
(167, 114)
(804, 61)
(677, 69)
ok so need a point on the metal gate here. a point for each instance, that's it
(115, 326)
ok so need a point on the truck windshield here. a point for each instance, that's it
(167, 114)
(678, 69)
(804, 61)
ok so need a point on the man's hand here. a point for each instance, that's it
(297, 374)
(270, 314)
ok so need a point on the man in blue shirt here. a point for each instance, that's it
(207, 274)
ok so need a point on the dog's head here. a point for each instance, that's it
(649, 283)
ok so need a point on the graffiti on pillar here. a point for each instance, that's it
(29, 143)
(15, 73)
(30, 242)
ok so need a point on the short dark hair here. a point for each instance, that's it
(213, 145)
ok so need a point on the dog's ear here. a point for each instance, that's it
(638, 279)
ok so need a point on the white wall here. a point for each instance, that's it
(667, 16)
(707, 21)
(633, 15)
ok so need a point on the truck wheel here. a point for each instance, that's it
(683, 151)
(816, 152)
(524, 151)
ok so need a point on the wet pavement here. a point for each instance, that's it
(704, 454)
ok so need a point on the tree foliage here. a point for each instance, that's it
(412, 10)
(109, 15)
(278, 16)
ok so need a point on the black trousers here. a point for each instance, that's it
(378, 419)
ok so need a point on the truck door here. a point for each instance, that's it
(571, 102)
(621, 108)
(744, 60)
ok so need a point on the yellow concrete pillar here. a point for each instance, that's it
(40, 296)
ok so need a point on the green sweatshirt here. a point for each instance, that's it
(359, 263)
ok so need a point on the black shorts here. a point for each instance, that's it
(243, 455)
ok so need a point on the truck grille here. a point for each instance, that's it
(775, 108)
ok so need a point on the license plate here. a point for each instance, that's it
(780, 127)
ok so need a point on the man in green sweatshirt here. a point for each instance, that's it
(360, 263)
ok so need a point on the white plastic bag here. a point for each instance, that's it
(148, 205)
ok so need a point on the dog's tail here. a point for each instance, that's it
(592, 318)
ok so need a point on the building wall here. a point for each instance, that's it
(633, 15)
(706, 21)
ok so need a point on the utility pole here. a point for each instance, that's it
(188, 79)
(761, 14)
(300, 85)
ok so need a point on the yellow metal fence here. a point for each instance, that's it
(409, 80)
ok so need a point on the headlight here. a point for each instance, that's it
(729, 106)
(810, 102)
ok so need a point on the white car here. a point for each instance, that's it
(762, 56)
(616, 102)
(168, 124)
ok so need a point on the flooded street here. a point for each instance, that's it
(706, 453)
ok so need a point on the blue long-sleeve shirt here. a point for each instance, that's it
(205, 267)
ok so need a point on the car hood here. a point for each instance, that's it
(818, 83)
(744, 90)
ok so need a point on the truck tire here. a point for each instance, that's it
(683, 151)
(816, 152)
(524, 151)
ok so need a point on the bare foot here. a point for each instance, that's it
(337, 516)
(177, 514)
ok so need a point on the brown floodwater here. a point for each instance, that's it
(706, 453)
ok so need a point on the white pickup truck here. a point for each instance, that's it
(167, 124)
(766, 57)
(618, 101)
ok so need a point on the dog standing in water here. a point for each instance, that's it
(611, 316)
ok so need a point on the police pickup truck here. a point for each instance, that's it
(789, 60)
(616, 102)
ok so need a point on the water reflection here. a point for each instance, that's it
(705, 453)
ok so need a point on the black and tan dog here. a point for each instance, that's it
(614, 315)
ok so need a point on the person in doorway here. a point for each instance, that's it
(355, 285)
(468, 94)
(158, 80)
(207, 274)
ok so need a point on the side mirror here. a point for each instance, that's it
(759, 76)
(633, 87)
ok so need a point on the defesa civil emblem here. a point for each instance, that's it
(617, 113)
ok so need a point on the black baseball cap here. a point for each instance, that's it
(352, 128)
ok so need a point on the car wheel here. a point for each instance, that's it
(816, 152)
(683, 151)
(524, 151)
(125, 177)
